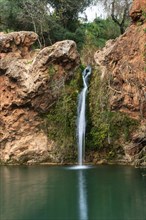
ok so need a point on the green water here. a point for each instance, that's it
(59, 193)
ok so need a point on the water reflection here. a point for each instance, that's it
(60, 193)
(19, 192)
(83, 206)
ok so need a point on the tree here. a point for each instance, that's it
(35, 15)
(119, 11)
(7, 11)
(67, 11)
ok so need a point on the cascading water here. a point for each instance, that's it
(81, 122)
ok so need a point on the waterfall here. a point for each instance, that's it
(81, 122)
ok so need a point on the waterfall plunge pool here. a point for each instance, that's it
(65, 193)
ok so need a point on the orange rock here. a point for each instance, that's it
(137, 9)
(125, 63)
(26, 91)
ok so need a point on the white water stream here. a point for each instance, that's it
(81, 123)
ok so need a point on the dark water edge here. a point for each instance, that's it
(100, 192)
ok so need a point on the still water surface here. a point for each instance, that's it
(62, 193)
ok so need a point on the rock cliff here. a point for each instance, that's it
(123, 62)
(30, 82)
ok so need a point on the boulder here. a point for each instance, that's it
(30, 83)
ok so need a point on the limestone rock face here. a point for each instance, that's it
(30, 82)
(16, 43)
(123, 62)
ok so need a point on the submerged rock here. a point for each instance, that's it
(30, 83)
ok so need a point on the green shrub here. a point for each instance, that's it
(105, 128)
(61, 118)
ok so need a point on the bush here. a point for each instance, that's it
(61, 118)
(105, 128)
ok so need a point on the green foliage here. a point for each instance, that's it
(7, 12)
(67, 11)
(96, 35)
(51, 70)
(100, 31)
(119, 12)
(60, 24)
(61, 118)
(51, 26)
(144, 14)
(105, 128)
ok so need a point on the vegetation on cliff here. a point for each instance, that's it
(60, 121)
(107, 129)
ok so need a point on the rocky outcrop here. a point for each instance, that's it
(123, 63)
(137, 10)
(123, 60)
(30, 83)
(16, 43)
